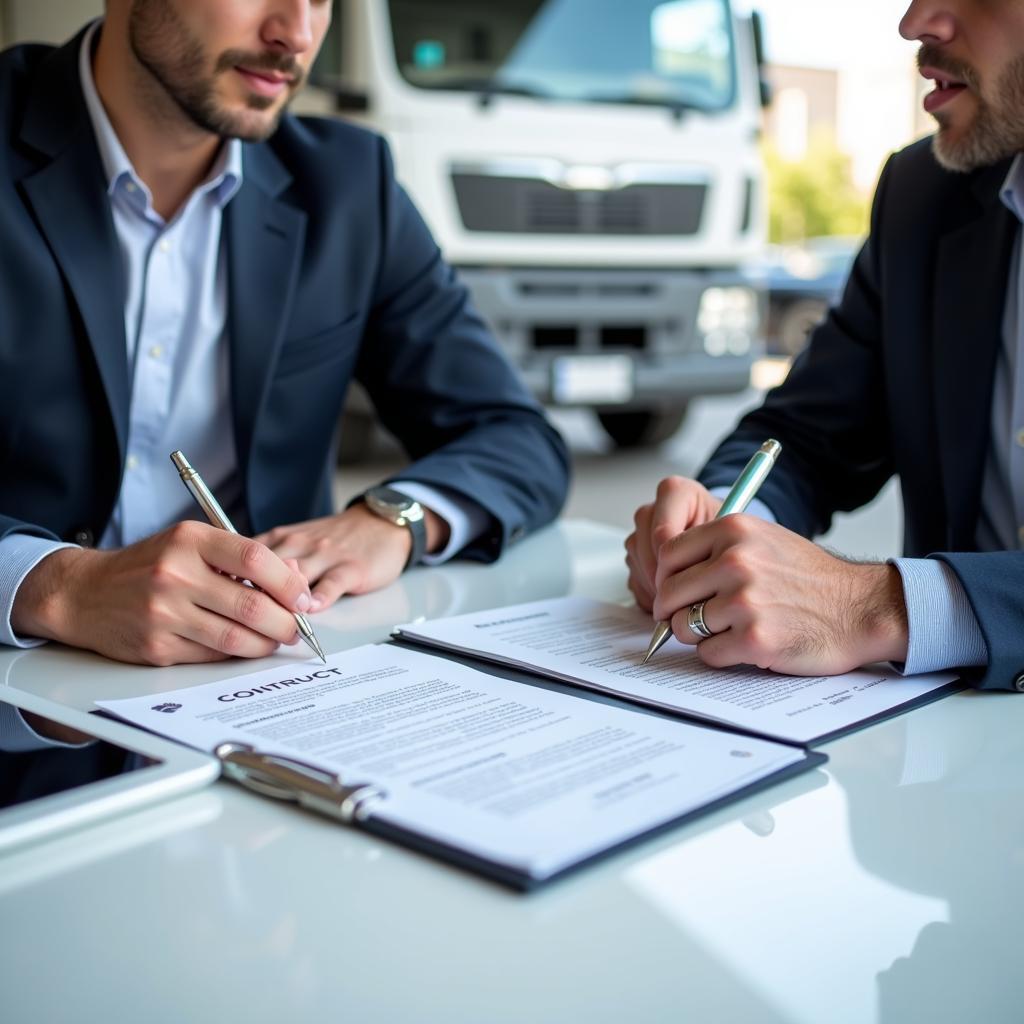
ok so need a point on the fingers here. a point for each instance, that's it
(715, 614)
(679, 504)
(682, 588)
(188, 652)
(721, 541)
(350, 553)
(674, 508)
(314, 549)
(249, 609)
(641, 556)
(163, 649)
(249, 559)
(642, 595)
(707, 563)
(225, 637)
(345, 579)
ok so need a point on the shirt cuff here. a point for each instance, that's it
(20, 553)
(944, 631)
(756, 507)
(18, 737)
(466, 519)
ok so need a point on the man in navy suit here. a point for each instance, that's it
(918, 372)
(187, 266)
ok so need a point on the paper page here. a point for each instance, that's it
(528, 778)
(601, 645)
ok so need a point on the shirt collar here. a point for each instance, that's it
(1012, 190)
(224, 179)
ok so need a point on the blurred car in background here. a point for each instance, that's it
(802, 281)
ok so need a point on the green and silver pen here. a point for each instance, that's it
(738, 498)
(218, 517)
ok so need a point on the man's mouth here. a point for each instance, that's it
(266, 83)
(947, 88)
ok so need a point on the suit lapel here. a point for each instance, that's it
(68, 196)
(265, 237)
(970, 298)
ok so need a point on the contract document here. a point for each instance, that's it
(600, 646)
(515, 780)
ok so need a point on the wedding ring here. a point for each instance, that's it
(695, 620)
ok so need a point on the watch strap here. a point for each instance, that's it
(411, 516)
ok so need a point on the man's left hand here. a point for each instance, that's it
(352, 552)
(778, 601)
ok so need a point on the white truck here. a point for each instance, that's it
(592, 169)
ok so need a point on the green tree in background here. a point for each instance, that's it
(815, 196)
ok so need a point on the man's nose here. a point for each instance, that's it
(929, 21)
(288, 26)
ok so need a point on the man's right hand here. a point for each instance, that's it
(679, 505)
(166, 600)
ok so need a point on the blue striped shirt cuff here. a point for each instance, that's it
(944, 632)
(466, 519)
(17, 736)
(20, 553)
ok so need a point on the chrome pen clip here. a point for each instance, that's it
(285, 778)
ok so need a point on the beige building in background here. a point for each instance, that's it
(804, 102)
(870, 112)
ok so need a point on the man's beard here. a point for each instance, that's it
(997, 129)
(175, 58)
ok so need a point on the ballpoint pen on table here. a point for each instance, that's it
(209, 504)
(738, 498)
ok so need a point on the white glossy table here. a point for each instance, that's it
(885, 887)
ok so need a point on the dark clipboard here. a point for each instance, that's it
(352, 803)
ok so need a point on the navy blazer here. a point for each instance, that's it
(332, 276)
(899, 379)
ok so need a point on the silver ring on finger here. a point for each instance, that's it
(695, 620)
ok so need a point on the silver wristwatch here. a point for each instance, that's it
(400, 509)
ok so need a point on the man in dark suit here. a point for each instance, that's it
(187, 266)
(919, 371)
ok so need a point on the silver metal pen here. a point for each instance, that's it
(739, 497)
(218, 517)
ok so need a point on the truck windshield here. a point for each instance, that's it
(675, 53)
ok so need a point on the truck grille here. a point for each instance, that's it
(529, 205)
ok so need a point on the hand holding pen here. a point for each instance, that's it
(766, 595)
(739, 497)
(217, 517)
(168, 599)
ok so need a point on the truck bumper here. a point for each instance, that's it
(610, 339)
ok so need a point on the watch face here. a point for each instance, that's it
(390, 499)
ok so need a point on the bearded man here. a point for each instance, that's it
(918, 372)
(187, 266)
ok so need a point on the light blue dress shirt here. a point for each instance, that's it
(176, 332)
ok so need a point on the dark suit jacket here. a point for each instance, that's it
(899, 380)
(332, 276)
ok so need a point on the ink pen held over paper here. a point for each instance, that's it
(209, 504)
(739, 497)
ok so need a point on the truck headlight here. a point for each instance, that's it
(727, 318)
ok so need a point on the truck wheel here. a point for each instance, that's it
(797, 321)
(638, 429)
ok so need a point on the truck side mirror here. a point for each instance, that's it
(764, 86)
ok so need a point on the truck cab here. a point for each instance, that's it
(592, 169)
